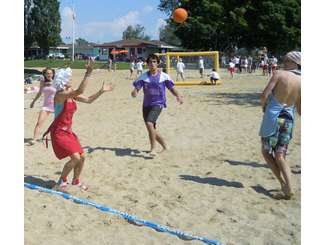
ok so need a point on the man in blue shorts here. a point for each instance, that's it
(154, 83)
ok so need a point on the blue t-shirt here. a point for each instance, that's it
(154, 88)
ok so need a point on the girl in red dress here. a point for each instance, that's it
(65, 143)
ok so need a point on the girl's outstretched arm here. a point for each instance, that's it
(105, 88)
(41, 85)
(63, 95)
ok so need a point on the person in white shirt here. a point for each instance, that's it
(274, 63)
(231, 68)
(180, 69)
(237, 63)
(214, 76)
(245, 64)
(139, 66)
(265, 65)
(110, 62)
(250, 61)
(201, 66)
(131, 69)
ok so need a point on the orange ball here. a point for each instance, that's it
(180, 15)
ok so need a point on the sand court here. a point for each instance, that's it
(213, 182)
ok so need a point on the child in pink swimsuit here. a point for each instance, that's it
(49, 93)
(48, 105)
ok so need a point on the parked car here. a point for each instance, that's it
(56, 56)
(59, 55)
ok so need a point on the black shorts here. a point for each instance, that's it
(151, 113)
(214, 79)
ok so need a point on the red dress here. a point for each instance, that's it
(64, 141)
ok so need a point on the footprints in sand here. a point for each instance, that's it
(119, 187)
(278, 213)
(151, 205)
(72, 227)
(164, 179)
(154, 194)
(131, 198)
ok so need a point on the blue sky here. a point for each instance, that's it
(102, 21)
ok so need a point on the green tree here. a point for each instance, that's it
(274, 24)
(228, 24)
(210, 24)
(167, 35)
(81, 41)
(28, 37)
(135, 32)
(46, 23)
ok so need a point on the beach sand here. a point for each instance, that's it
(213, 182)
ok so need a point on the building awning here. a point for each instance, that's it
(124, 51)
(60, 47)
(136, 43)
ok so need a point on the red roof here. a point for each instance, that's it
(132, 43)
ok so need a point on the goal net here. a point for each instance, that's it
(194, 66)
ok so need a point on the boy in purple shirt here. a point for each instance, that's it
(154, 83)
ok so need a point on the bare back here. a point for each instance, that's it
(288, 88)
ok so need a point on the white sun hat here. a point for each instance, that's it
(62, 77)
(294, 56)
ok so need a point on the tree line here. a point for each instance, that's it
(229, 24)
(42, 23)
(223, 25)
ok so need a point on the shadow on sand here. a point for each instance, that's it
(121, 152)
(28, 141)
(244, 99)
(40, 182)
(212, 181)
(248, 164)
(259, 189)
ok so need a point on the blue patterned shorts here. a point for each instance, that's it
(278, 142)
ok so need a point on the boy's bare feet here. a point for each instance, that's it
(164, 149)
(152, 153)
(288, 192)
(281, 196)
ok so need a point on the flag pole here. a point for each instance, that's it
(73, 19)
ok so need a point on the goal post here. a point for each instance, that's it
(191, 78)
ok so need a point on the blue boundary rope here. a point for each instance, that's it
(131, 218)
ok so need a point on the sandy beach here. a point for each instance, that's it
(213, 182)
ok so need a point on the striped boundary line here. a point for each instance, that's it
(131, 218)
